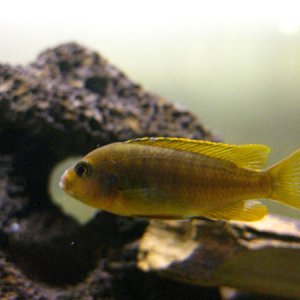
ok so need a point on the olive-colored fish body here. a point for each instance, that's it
(178, 178)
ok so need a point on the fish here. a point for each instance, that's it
(179, 178)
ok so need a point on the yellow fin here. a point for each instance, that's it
(286, 180)
(252, 156)
(245, 211)
(148, 194)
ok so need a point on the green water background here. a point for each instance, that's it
(239, 75)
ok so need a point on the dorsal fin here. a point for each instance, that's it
(252, 156)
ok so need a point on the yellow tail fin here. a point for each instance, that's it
(286, 180)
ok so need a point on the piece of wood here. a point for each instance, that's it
(261, 257)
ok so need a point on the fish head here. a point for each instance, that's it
(81, 182)
(91, 179)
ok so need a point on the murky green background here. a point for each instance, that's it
(239, 71)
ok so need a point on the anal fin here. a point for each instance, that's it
(160, 217)
(246, 211)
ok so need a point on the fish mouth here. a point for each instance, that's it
(65, 184)
(63, 181)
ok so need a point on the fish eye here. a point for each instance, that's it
(83, 169)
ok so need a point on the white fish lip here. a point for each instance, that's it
(65, 185)
(62, 182)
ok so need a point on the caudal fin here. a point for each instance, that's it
(286, 180)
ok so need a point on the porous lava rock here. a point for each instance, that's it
(67, 102)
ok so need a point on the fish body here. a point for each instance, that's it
(179, 178)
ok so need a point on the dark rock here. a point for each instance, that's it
(66, 103)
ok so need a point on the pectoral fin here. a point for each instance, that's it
(242, 211)
(145, 194)
(153, 203)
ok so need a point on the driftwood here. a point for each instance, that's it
(66, 103)
(261, 257)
